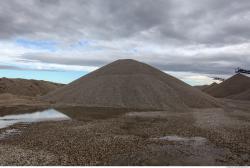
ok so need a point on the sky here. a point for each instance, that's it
(62, 40)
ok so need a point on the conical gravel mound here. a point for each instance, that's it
(131, 84)
(235, 85)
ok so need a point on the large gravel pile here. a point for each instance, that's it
(23, 87)
(236, 87)
(131, 84)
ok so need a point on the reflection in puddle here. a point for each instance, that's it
(8, 133)
(46, 115)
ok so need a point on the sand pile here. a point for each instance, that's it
(237, 85)
(131, 84)
(25, 87)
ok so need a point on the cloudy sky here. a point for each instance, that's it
(61, 40)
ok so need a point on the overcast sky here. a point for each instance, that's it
(190, 39)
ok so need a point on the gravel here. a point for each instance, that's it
(127, 139)
(131, 84)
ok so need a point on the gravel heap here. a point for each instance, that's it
(236, 87)
(131, 84)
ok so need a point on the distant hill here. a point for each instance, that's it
(23, 87)
(131, 84)
(236, 87)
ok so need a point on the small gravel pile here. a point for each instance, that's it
(236, 87)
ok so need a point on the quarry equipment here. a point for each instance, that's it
(240, 71)
(219, 79)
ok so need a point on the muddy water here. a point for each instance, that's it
(39, 116)
(183, 139)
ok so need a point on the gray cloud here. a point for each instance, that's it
(175, 23)
(222, 64)
(57, 59)
(188, 21)
(9, 67)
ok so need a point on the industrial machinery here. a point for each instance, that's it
(244, 71)
(218, 79)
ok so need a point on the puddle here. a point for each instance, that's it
(195, 140)
(39, 116)
(8, 133)
(147, 114)
(188, 151)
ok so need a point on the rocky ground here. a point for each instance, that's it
(218, 136)
(14, 104)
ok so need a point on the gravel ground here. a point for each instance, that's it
(135, 138)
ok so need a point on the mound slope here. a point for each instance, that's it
(131, 84)
(233, 86)
(23, 87)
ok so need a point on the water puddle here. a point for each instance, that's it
(147, 114)
(39, 116)
(194, 140)
(8, 133)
